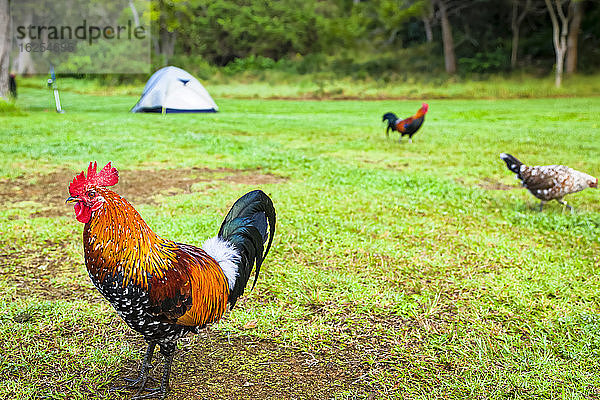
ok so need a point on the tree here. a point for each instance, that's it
(576, 10)
(167, 19)
(22, 62)
(447, 39)
(221, 31)
(515, 25)
(134, 12)
(396, 15)
(517, 16)
(427, 18)
(4, 47)
(560, 29)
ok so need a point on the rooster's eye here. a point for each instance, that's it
(91, 194)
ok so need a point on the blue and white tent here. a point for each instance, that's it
(173, 90)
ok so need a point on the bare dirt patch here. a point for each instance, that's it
(46, 272)
(140, 186)
(215, 366)
(492, 184)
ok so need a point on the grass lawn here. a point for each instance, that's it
(408, 271)
(320, 86)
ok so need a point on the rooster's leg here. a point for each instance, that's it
(142, 378)
(542, 205)
(160, 392)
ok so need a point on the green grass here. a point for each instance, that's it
(397, 269)
(9, 108)
(280, 85)
(328, 86)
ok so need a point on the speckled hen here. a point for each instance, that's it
(550, 182)
(161, 288)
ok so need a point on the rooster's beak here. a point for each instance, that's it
(71, 200)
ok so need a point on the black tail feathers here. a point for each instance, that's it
(512, 163)
(248, 226)
(391, 120)
(390, 117)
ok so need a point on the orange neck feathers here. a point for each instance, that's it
(118, 241)
(422, 111)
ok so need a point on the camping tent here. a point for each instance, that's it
(173, 90)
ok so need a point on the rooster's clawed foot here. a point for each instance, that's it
(154, 393)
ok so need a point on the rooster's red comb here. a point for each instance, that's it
(108, 176)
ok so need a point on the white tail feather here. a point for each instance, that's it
(226, 255)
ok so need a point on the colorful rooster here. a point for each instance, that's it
(161, 288)
(408, 126)
(550, 182)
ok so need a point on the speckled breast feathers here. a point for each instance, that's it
(184, 284)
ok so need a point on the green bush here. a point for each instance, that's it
(10, 108)
(485, 62)
(422, 60)
(252, 63)
(194, 64)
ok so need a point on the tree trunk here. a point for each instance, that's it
(577, 12)
(166, 39)
(427, 18)
(4, 47)
(515, 48)
(559, 37)
(167, 44)
(560, 58)
(515, 25)
(136, 16)
(428, 30)
(23, 63)
(449, 56)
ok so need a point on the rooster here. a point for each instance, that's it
(408, 126)
(161, 288)
(550, 182)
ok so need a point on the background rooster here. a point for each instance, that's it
(161, 288)
(408, 126)
(550, 182)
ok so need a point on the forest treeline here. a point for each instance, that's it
(377, 37)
